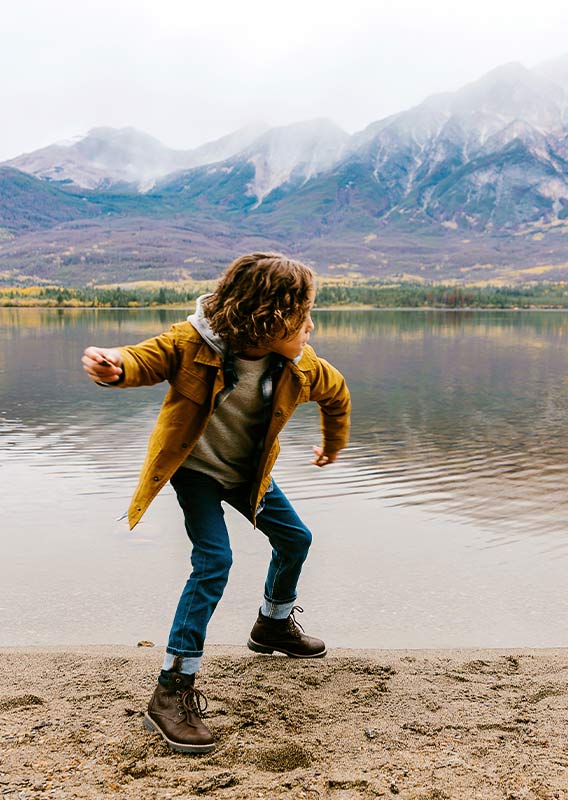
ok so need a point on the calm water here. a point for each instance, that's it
(443, 524)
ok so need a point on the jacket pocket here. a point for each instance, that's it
(191, 385)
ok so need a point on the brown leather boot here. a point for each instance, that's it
(285, 636)
(175, 713)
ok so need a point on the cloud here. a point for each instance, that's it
(187, 72)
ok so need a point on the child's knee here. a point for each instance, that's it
(221, 563)
(212, 565)
(302, 542)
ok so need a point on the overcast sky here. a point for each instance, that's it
(188, 72)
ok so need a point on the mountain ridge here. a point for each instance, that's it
(459, 180)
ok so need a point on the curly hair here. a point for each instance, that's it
(261, 296)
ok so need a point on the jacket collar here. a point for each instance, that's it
(211, 358)
(206, 355)
(306, 362)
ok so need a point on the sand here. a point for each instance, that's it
(425, 725)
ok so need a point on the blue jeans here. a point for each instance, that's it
(200, 497)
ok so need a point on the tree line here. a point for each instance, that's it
(373, 294)
(412, 295)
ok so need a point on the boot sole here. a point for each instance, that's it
(262, 648)
(150, 725)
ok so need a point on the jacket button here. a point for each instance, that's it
(184, 444)
(278, 413)
(156, 478)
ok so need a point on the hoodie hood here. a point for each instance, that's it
(202, 326)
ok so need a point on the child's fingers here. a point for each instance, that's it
(98, 355)
(101, 364)
(321, 458)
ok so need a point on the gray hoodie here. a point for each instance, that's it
(202, 326)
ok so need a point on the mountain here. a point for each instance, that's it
(27, 203)
(285, 156)
(467, 184)
(123, 159)
(225, 147)
(458, 158)
(508, 92)
(460, 147)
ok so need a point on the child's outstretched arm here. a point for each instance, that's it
(143, 364)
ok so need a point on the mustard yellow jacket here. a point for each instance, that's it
(194, 371)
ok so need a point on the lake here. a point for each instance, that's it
(444, 524)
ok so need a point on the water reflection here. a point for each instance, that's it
(442, 522)
(460, 413)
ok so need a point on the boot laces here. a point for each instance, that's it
(293, 623)
(192, 701)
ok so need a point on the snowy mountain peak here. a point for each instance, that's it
(508, 92)
(106, 156)
(298, 151)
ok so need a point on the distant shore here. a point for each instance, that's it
(189, 307)
(361, 294)
(418, 724)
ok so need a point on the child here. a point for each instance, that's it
(237, 370)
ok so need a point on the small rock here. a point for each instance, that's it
(370, 733)
(145, 643)
(347, 783)
(218, 781)
(137, 769)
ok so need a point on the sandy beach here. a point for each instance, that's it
(415, 724)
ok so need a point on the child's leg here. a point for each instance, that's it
(200, 498)
(174, 710)
(276, 628)
(290, 540)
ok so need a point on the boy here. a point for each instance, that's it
(237, 370)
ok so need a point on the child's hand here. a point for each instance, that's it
(323, 457)
(102, 364)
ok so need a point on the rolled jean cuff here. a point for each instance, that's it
(276, 610)
(189, 664)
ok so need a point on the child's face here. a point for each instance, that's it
(289, 348)
(293, 346)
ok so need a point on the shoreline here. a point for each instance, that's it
(473, 724)
(149, 649)
(190, 307)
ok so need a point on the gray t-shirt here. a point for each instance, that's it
(225, 450)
